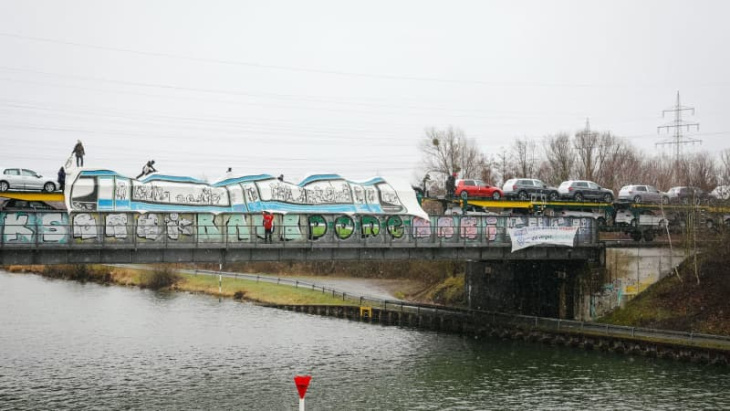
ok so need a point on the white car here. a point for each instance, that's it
(24, 179)
(594, 213)
(647, 218)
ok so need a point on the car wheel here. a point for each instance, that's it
(578, 197)
(601, 222)
(648, 235)
(637, 199)
(496, 195)
(608, 198)
(522, 195)
(49, 187)
(4, 186)
(634, 223)
(710, 224)
(636, 235)
(665, 200)
(663, 225)
(464, 195)
(553, 196)
(685, 201)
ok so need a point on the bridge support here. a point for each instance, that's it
(539, 288)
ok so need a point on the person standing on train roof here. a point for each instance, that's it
(79, 152)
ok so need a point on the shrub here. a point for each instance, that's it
(159, 278)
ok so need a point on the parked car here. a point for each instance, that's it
(24, 179)
(467, 188)
(686, 195)
(646, 218)
(524, 188)
(639, 193)
(14, 204)
(581, 190)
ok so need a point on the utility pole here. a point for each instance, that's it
(678, 125)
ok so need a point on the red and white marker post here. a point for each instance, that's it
(302, 382)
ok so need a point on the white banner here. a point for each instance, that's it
(528, 236)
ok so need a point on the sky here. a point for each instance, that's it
(294, 88)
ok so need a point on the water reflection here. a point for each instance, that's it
(68, 345)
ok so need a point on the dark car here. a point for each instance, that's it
(581, 190)
(525, 188)
(686, 195)
(14, 204)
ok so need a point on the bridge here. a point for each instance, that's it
(59, 237)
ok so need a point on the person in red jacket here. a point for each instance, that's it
(268, 226)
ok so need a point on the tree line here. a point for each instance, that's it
(603, 157)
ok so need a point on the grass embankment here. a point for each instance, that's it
(166, 278)
(683, 304)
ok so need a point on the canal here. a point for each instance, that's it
(66, 345)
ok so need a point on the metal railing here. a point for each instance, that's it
(530, 322)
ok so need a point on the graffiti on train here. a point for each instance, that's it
(104, 190)
(111, 227)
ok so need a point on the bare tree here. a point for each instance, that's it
(504, 166)
(724, 167)
(559, 155)
(620, 163)
(524, 152)
(449, 151)
(586, 144)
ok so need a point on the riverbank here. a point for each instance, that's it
(165, 277)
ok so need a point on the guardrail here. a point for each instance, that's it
(532, 322)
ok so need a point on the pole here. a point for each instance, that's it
(301, 404)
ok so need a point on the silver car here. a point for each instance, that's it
(24, 179)
(639, 193)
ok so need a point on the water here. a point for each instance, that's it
(65, 345)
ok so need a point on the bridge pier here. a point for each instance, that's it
(539, 288)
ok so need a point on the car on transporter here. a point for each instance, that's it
(470, 188)
(641, 193)
(25, 179)
(527, 188)
(581, 190)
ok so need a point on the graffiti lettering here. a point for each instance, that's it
(16, 230)
(148, 226)
(85, 226)
(370, 226)
(53, 228)
(116, 226)
(421, 228)
(177, 226)
(395, 227)
(344, 227)
(317, 227)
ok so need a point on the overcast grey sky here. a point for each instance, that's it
(296, 87)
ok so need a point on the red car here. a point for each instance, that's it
(477, 188)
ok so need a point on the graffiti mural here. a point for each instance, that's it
(105, 190)
(161, 228)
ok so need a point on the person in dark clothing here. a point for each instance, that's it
(450, 185)
(147, 169)
(61, 178)
(281, 177)
(268, 226)
(79, 152)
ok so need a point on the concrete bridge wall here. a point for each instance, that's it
(629, 271)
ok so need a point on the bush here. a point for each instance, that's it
(159, 278)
